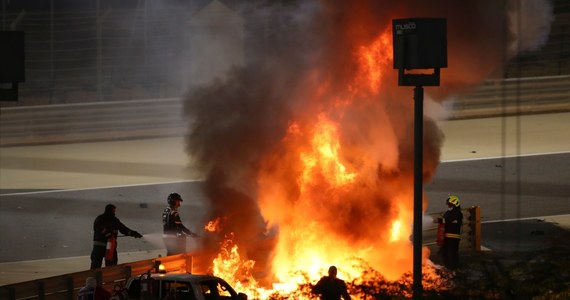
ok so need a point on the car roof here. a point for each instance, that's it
(184, 277)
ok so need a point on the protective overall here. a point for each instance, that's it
(453, 221)
(106, 227)
(174, 232)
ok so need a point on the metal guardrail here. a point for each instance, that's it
(470, 231)
(67, 286)
(135, 119)
(88, 122)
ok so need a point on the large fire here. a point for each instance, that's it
(308, 151)
(327, 202)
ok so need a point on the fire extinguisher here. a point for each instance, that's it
(111, 246)
(146, 286)
(440, 233)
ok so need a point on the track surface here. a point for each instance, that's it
(49, 195)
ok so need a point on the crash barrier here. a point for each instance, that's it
(94, 121)
(67, 286)
(470, 231)
(152, 118)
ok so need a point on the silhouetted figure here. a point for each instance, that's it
(174, 232)
(330, 287)
(106, 227)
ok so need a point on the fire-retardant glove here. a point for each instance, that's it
(136, 235)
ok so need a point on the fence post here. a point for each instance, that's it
(128, 272)
(11, 293)
(41, 290)
(99, 277)
(70, 287)
(475, 227)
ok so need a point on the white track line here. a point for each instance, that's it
(507, 156)
(195, 180)
(526, 219)
(98, 188)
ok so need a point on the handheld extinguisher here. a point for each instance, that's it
(111, 246)
(146, 286)
(440, 233)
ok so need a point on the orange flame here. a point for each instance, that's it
(213, 226)
(330, 206)
(324, 157)
(373, 60)
(238, 272)
(313, 213)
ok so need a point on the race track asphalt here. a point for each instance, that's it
(514, 168)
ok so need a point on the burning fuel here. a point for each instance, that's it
(308, 149)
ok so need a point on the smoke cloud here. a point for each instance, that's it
(529, 21)
(250, 129)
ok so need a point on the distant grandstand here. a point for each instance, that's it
(120, 51)
(101, 53)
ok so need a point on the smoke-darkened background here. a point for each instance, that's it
(79, 51)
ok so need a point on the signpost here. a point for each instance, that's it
(419, 44)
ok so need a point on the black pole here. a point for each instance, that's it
(418, 183)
